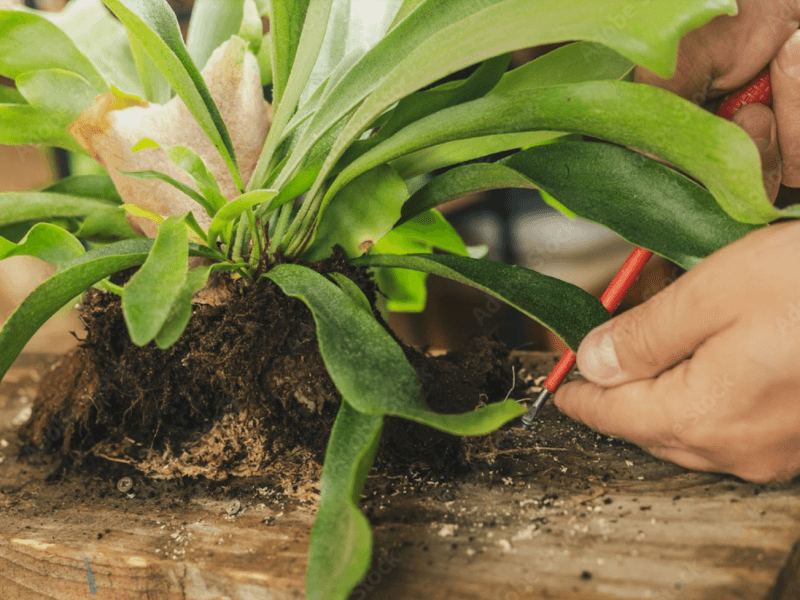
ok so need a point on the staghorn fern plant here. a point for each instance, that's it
(196, 174)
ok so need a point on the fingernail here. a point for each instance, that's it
(789, 57)
(598, 357)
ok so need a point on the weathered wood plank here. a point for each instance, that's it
(661, 534)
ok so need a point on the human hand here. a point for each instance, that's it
(707, 372)
(727, 53)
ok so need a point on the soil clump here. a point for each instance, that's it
(243, 393)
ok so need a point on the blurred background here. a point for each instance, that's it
(517, 227)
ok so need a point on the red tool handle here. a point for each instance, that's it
(757, 91)
(610, 299)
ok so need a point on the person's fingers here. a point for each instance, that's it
(714, 407)
(712, 412)
(785, 77)
(687, 415)
(659, 333)
(656, 413)
(649, 338)
(759, 122)
(726, 53)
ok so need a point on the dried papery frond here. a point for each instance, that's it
(115, 124)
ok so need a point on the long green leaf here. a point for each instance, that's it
(645, 202)
(151, 292)
(354, 27)
(565, 309)
(461, 181)
(444, 155)
(315, 18)
(16, 207)
(332, 575)
(72, 279)
(333, 48)
(29, 42)
(419, 105)
(91, 198)
(715, 151)
(368, 367)
(400, 64)
(286, 25)
(155, 84)
(573, 63)
(154, 24)
(309, 107)
(46, 242)
(213, 22)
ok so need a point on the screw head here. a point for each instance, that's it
(125, 484)
(233, 508)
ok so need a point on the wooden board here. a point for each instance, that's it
(661, 534)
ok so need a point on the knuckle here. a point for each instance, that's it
(637, 341)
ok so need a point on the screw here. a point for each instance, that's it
(233, 508)
(125, 484)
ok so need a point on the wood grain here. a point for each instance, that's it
(682, 536)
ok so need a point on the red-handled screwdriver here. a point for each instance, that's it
(757, 91)
(610, 299)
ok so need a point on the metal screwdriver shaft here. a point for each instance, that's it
(759, 90)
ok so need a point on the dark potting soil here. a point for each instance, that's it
(244, 394)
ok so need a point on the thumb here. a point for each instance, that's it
(655, 335)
